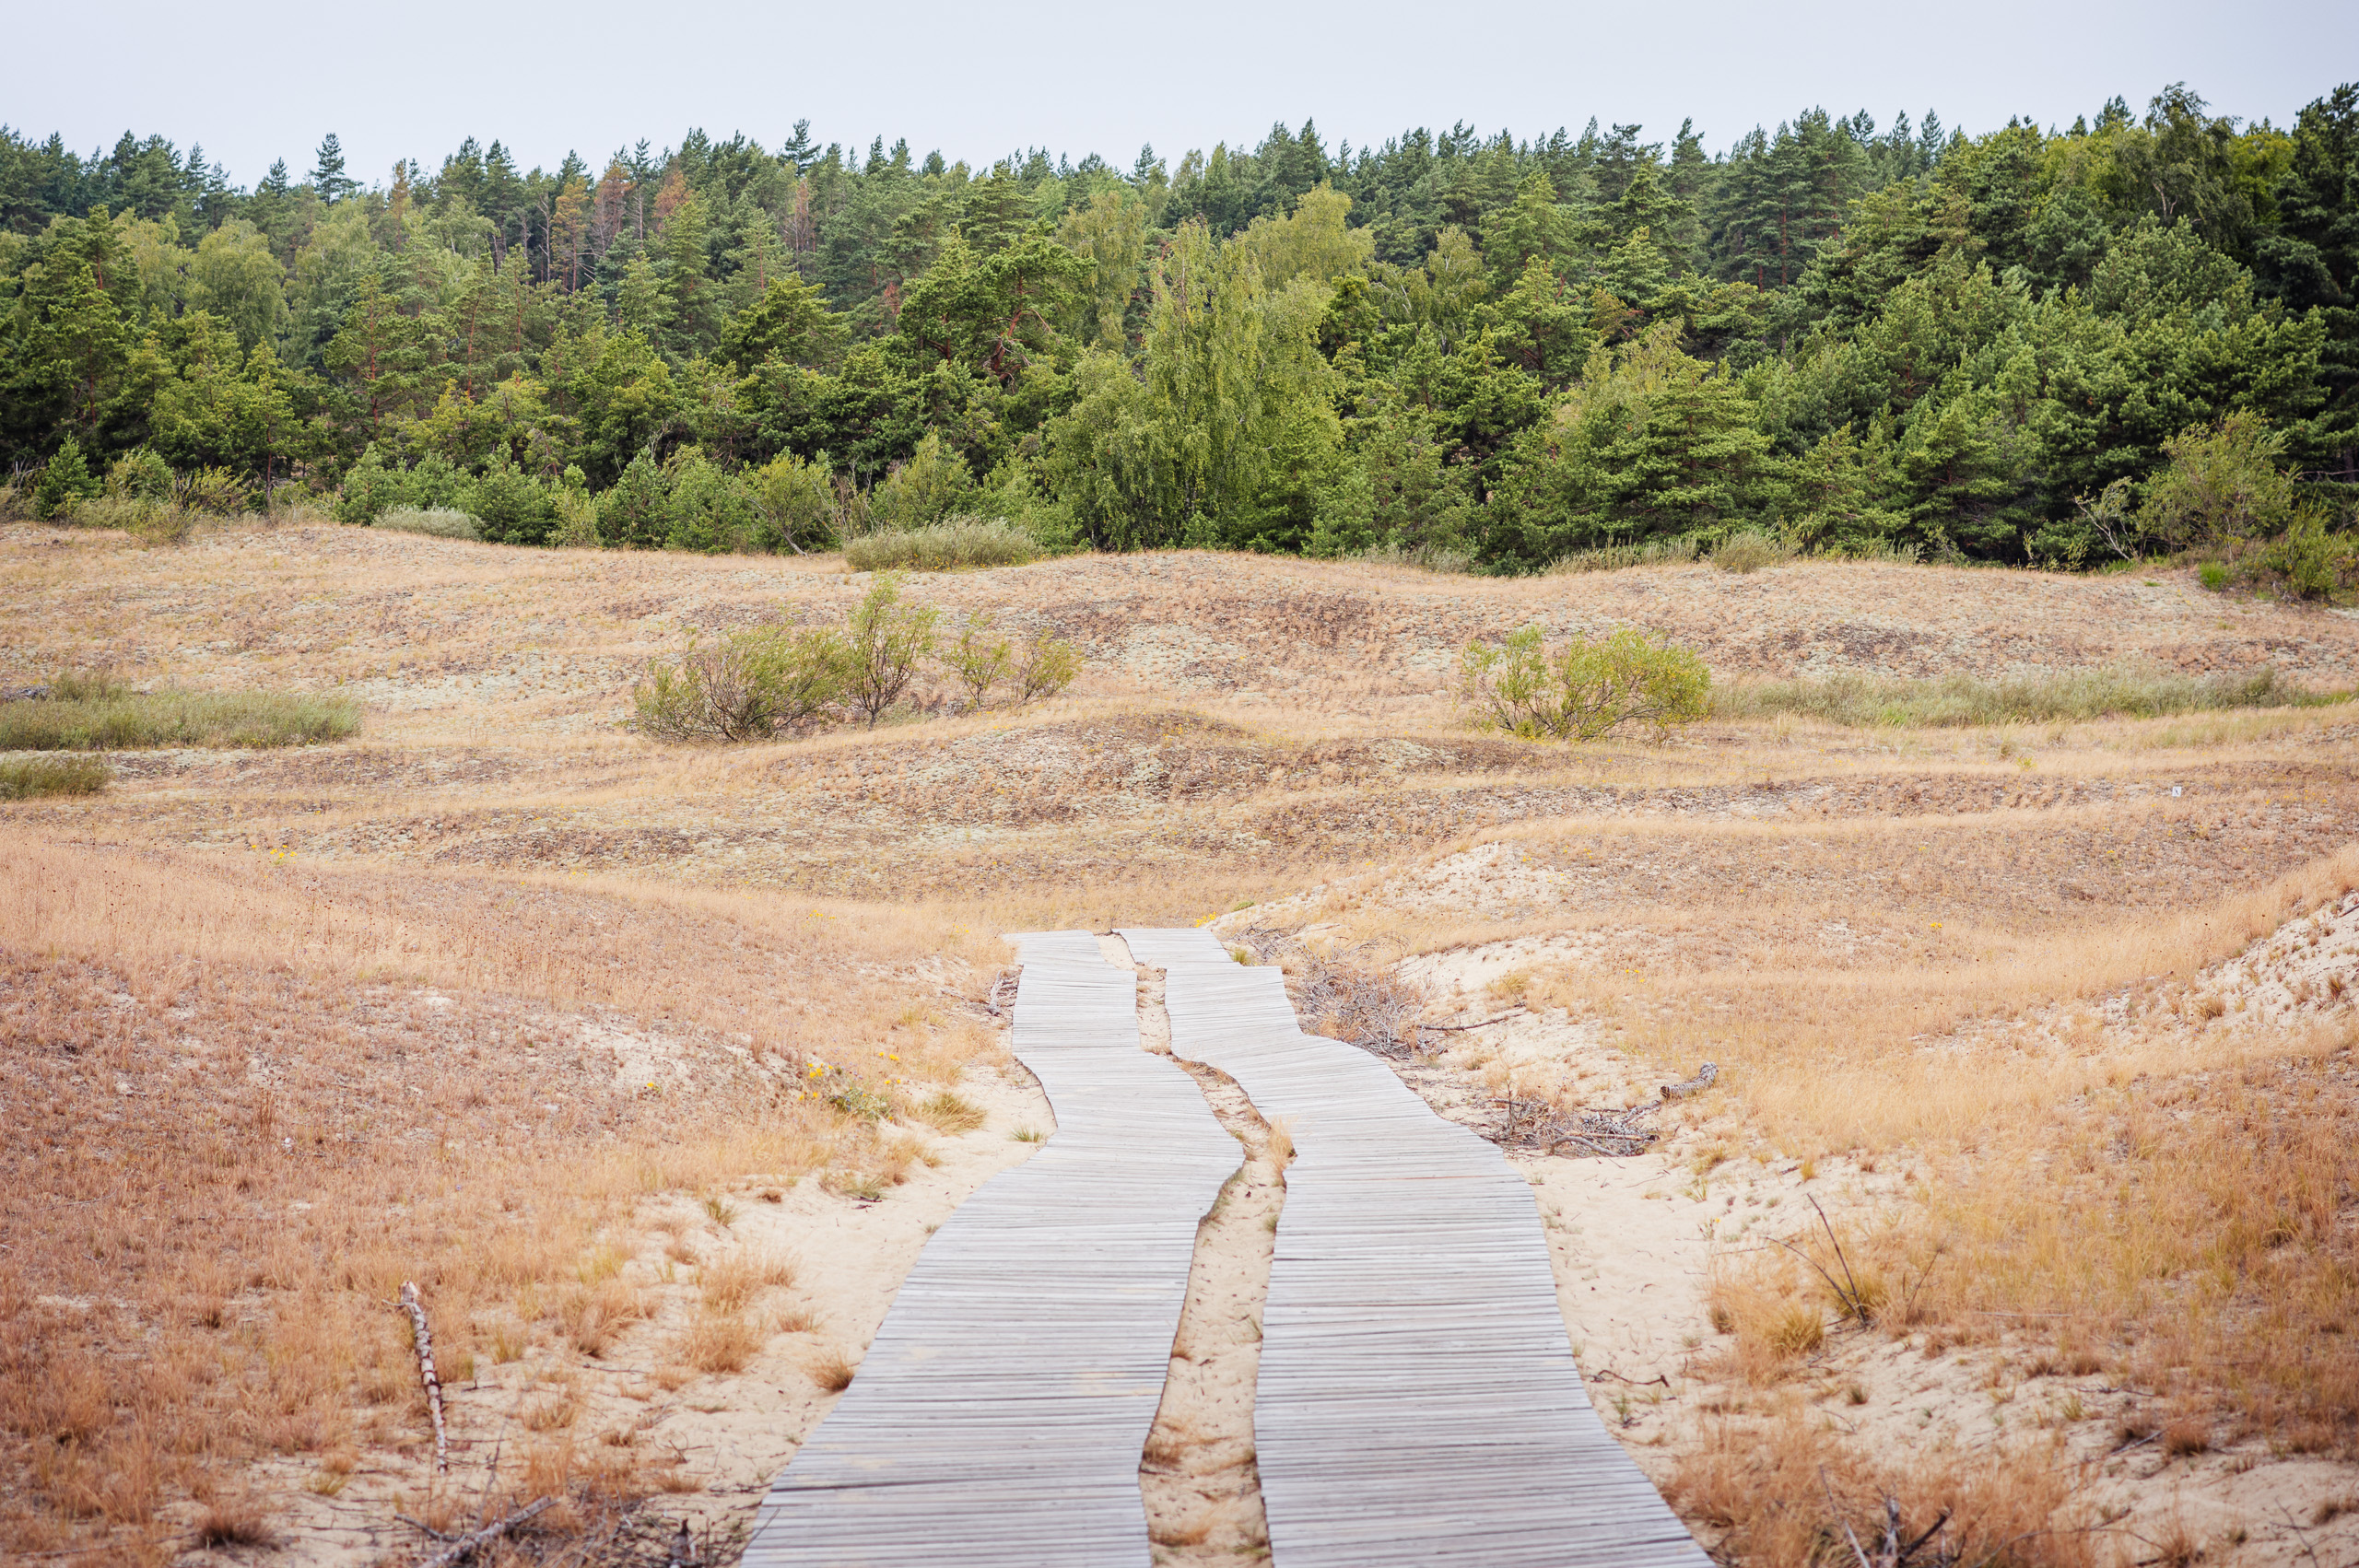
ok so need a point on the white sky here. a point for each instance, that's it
(255, 81)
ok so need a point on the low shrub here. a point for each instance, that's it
(1750, 552)
(755, 684)
(747, 686)
(1950, 701)
(885, 642)
(438, 521)
(29, 779)
(1582, 690)
(1045, 667)
(120, 721)
(947, 546)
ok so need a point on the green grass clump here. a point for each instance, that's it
(27, 779)
(1619, 557)
(1750, 552)
(943, 546)
(1956, 701)
(120, 721)
(439, 521)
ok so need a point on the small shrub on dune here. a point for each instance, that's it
(1581, 690)
(749, 685)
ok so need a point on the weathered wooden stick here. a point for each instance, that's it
(1702, 1080)
(416, 1310)
(458, 1551)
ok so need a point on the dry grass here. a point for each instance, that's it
(730, 1284)
(832, 1369)
(346, 983)
(1779, 1493)
(130, 719)
(719, 1342)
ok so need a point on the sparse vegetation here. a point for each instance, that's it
(441, 522)
(1954, 700)
(948, 546)
(1669, 551)
(27, 779)
(123, 721)
(765, 681)
(1750, 550)
(1581, 690)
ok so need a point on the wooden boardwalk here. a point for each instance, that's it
(1417, 1403)
(1000, 1414)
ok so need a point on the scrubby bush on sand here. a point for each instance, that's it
(1581, 690)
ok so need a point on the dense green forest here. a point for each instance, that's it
(2060, 348)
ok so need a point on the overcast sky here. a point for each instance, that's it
(258, 81)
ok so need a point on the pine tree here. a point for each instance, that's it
(328, 178)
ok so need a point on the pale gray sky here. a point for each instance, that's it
(255, 81)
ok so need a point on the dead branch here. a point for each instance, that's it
(416, 1310)
(459, 1550)
(1702, 1080)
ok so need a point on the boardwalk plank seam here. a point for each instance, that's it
(999, 1417)
(1418, 1403)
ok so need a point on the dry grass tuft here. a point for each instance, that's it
(719, 1342)
(730, 1284)
(239, 1521)
(948, 1113)
(1781, 1493)
(832, 1370)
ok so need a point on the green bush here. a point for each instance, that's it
(27, 779)
(710, 509)
(2116, 691)
(440, 522)
(943, 546)
(139, 476)
(747, 686)
(886, 642)
(2309, 561)
(118, 719)
(1582, 690)
(64, 480)
(1045, 667)
(2222, 484)
(798, 503)
(932, 484)
(511, 507)
(634, 511)
(979, 659)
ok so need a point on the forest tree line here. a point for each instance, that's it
(2028, 345)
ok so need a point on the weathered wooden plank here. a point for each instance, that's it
(998, 1417)
(1418, 1403)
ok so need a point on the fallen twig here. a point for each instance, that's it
(460, 1549)
(416, 1310)
(1461, 1028)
